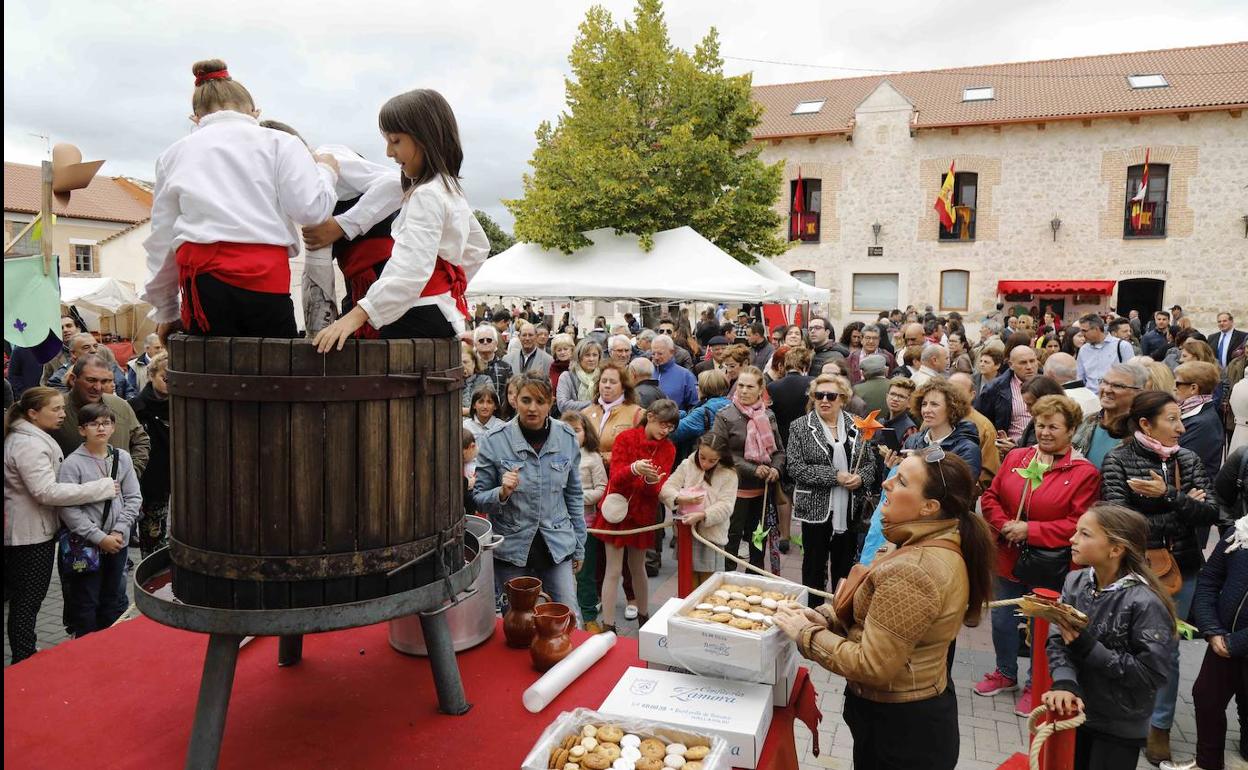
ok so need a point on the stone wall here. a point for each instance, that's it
(1029, 174)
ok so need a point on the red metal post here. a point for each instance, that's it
(1059, 749)
(684, 560)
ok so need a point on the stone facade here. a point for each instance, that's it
(1028, 174)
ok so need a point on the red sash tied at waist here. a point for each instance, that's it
(258, 267)
(362, 263)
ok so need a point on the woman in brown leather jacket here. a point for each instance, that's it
(904, 613)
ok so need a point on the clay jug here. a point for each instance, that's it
(522, 596)
(553, 638)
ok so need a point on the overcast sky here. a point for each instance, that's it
(114, 77)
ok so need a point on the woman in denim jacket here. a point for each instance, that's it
(529, 484)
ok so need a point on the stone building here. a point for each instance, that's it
(1046, 158)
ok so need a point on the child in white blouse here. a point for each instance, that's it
(438, 243)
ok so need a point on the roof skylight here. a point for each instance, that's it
(982, 94)
(1147, 81)
(808, 108)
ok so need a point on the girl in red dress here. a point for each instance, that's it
(641, 461)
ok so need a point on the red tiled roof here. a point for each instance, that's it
(1206, 77)
(104, 199)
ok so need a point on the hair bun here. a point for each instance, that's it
(207, 66)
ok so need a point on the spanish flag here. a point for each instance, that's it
(944, 201)
(1141, 219)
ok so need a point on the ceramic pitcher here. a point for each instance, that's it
(552, 640)
(522, 596)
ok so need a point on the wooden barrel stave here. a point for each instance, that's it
(270, 478)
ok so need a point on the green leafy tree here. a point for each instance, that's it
(652, 138)
(500, 240)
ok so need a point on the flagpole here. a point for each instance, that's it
(45, 215)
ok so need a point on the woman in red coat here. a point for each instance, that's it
(641, 461)
(1034, 503)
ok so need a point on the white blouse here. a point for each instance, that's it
(230, 181)
(378, 187)
(433, 222)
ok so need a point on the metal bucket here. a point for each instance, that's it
(470, 615)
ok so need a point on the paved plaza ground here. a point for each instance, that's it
(990, 731)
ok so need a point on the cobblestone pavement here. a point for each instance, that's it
(990, 731)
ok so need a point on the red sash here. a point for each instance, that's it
(258, 267)
(361, 263)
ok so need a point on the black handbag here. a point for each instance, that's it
(1043, 567)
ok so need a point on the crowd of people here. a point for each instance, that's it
(1054, 455)
(86, 477)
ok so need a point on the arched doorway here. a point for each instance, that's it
(1142, 294)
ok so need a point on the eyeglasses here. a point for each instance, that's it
(934, 454)
(98, 424)
(825, 396)
(1178, 383)
(485, 339)
(1118, 386)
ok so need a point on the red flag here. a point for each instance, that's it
(796, 227)
(1138, 217)
(944, 201)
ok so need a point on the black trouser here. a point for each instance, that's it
(422, 322)
(901, 736)
(1219, 680)
(27, 574)
(820, 546)
(1098, 751)
(235, 312)
(94, 600)
(746, 515)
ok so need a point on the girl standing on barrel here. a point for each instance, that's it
(438, 244)
(225, 210)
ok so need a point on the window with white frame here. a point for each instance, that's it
(875, 291)
(84, 258)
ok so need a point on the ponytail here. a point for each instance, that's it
(979, 548)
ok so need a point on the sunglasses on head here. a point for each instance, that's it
(934, 454)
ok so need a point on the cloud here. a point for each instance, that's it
(116, 78)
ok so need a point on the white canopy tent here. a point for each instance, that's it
(106, 299)
(799, 291)
(682, 266)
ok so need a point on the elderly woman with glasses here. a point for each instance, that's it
(1098, 434)
(1034, 504)
(832, 469)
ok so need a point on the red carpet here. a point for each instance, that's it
(125, 698)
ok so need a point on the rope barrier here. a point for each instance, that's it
(1042, 732)
(637, 531)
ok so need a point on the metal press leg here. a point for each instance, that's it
(214, 699)
(289, 650)
(446, 679)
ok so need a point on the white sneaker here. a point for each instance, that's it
(1167, 764)
(630, 612)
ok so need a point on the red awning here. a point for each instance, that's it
(1056, 287)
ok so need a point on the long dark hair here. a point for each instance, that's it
(1130, 530)
(954, 486)
(426, 117)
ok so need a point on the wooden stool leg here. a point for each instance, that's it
(214, 700)
(289, 650)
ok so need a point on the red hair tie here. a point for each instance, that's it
(204, 78)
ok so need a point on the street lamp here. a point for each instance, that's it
(1054, 225)
(877, 227)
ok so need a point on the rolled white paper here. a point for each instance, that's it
(565, 672)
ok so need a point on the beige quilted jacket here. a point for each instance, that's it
(906, 612)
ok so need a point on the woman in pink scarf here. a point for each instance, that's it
(750, 430)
